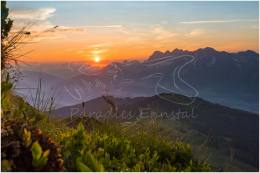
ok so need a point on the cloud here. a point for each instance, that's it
(45, 26)
(218, 21)
(39, 26)
(161, 33)
(100, 45)
(54, 32)
(105, 26)
(38, 38)
(98, 51)
(95, 49)
(81, 28)
(37, 14)
(195, 32)
(66, 29)
(36, 21)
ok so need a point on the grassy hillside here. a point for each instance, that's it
(228, 136)
(84, 144)
(216, 150)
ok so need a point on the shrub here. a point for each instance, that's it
(101, 151)
(21, 140)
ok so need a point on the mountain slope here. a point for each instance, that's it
(228, 128)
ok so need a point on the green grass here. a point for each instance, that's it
(203, 147)
(90, 145)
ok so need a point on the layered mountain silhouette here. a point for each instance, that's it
(227, 128)
(227, 78)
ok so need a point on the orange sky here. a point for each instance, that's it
(113, 45)
(132, 33)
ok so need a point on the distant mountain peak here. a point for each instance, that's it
(178, 50)
(251, 52)
(156, 54)
(206, 49)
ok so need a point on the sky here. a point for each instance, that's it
(101, 32)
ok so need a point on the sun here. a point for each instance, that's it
(97, 59)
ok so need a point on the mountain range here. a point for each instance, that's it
(226, 78)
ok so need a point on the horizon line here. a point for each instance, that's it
(144, 58)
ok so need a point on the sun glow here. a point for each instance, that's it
(97, 59)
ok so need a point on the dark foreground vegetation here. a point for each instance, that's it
(32, 142)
